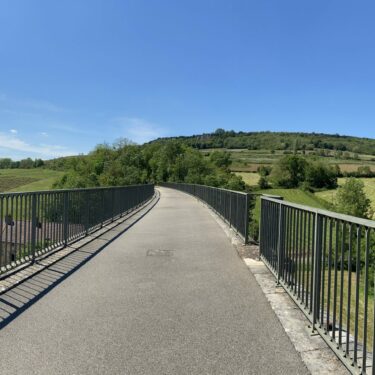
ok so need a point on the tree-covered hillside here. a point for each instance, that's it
(125, 163)
(278, 141)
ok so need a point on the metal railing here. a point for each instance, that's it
(34, 223)
(232, 206)
(325, 261)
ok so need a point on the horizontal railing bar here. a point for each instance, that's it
(334, 215)
(24, 193)
(207, 187)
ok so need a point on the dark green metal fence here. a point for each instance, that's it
(232, 206)
(326, 262)
(35, 223)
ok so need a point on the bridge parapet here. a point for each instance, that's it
(325, 261)
(35, 223)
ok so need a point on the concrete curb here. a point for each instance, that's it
(316, 355)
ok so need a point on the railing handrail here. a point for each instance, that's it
(14, 193)
(334, 215)
(206, 186)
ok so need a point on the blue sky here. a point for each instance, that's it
(77, 73)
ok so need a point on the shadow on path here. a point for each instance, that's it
(55, 268)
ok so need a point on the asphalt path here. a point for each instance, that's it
(168, 296)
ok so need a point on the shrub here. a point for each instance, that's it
(263, 183)
(289, 171)
(319, 175)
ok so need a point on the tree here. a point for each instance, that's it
(263, 183)
(289, 171)
(220, 159)
(264, 170)
(351, 199)
(5, 163)
(320, 175)
(38, 163)
(220, 132)
(26, 163)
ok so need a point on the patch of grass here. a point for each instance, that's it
(291, 195)
(250, 178)
(351, 297)
(8, 183)
(12, 180)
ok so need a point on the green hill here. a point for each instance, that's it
(279, 141)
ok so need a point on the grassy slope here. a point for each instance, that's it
(290, 195)
(27, 179)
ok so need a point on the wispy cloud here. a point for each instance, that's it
(40, 105)
(13, 131)
(17, 105)
(14, 143)
(75, 129)
(139, 130)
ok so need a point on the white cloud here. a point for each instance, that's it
(139, 130)
(43, 134)
(13, 131)
(13, 143)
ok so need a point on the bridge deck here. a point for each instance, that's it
(169, 296)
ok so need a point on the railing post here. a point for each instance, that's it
(33, 226)
(280, 242)
(247, 218)
(316, 268)
(113, 205)
(102, 208)
(65, 217)
(87, 211)
(230, 209)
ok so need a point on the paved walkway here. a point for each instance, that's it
(169, 296)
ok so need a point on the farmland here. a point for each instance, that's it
(246, 162)
(249, 160)
(12, 180)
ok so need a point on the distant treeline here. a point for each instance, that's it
(7, 163)
(278, 141)
(293, 171)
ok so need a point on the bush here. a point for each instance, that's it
(289, 172)
(263, 183)
(319, 175)
(264, 170)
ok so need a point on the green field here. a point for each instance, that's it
(291, 195)
(27, 179)
(250, 178)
